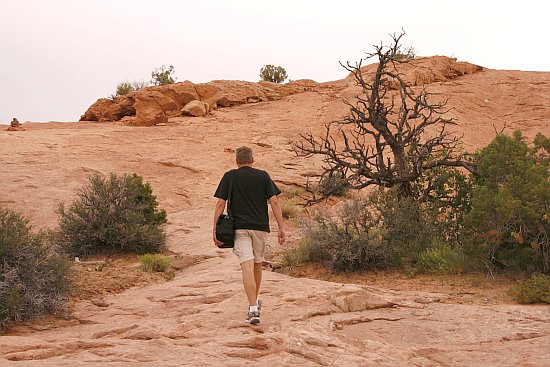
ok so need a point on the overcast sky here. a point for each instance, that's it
(57, 57)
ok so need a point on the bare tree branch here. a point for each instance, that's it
(392, 135)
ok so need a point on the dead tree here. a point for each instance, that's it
(384, 140)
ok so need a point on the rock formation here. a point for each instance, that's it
(15, 125)
(153, 105)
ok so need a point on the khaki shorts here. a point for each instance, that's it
(250, 245)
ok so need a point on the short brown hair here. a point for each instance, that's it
(244, 155)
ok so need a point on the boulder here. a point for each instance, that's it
(110, 109)
(196, 108)
(180, 94)
(150, 108)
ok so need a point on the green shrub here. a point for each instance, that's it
(163, 76)
(536, 289)
(441, 259)
(124, 88)
(509, 215)
(34, 272)
(113, 214)
(275, 74)
(155, 262)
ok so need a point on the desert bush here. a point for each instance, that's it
(441, 259)
(113, 214)
(289, 208)
(154, 262)
(333, 184)
(124, 88)
(163, 75)
(34, 272)
(139, 84)
(509, 220)
(346, 242)
(536, 289)
(296, 192)
(307, 251)
(271, 73)
(410, 227)
(377, 231)
(404, 53)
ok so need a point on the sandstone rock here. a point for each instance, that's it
(150, 108)
(195, 108)
(425, 70)
(110, 109)
(170, 99)
(180, 93)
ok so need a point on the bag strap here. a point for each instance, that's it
(232, 174)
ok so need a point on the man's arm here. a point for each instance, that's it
(220, 206)
(278, 213)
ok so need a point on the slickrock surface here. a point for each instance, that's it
(197, 318)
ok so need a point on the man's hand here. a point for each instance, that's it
(216, 242)
(282, 236)
(220, 206)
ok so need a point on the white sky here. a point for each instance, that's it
(57, 57)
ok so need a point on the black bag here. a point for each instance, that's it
(225, 231)
(225, 226)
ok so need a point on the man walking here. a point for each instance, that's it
(252, 189)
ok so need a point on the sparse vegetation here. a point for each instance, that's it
(126, 87)
(332, 184)
(271, 73)
(536, 289)
(154, 262)
(405, 53)
(113, 214)
(441, 259)
(163, 75)
(289, 207)
(34, 272)
(345, 242)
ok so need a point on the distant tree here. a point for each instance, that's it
(275, 74)
(393, 136)
(163, 76)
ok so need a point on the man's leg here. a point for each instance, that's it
(249, 281)
(257, 278)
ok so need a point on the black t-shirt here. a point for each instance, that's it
(250, 192)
